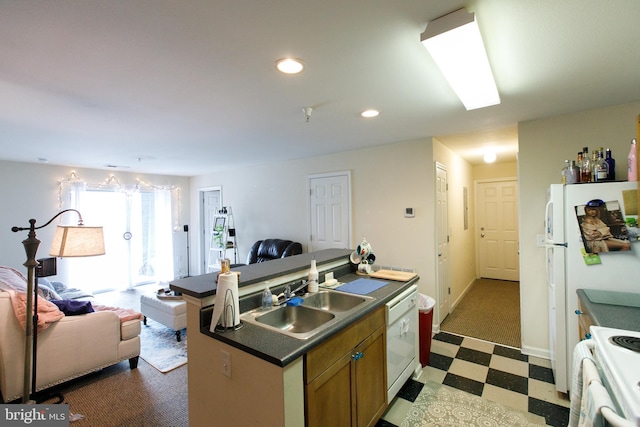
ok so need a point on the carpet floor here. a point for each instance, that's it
(118, 396)
(489, 311)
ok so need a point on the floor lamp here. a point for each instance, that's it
(69, 241)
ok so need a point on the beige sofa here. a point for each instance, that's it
(69, 348)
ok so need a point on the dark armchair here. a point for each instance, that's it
(269, 249)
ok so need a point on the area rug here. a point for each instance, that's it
(441, 405)
(159, 347)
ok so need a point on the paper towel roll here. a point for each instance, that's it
(226, 308)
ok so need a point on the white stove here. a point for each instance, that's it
(619, 367)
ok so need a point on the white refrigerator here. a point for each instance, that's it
(567, 270)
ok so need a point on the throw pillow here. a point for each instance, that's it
(74, 307)
(12, 280)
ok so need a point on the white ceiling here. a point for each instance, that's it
(189, 87)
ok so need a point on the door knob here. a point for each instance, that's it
(481, 234)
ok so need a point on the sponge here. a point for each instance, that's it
(295, 301)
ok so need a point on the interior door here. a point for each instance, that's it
(329, 211)
(497, 215)
(442, 231)
(210, 203)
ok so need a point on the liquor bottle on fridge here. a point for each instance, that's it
(573, 173)
(611, 162)
(579, 165)
(632, 168)
(600, 169)
(564, 172)
(585, 167)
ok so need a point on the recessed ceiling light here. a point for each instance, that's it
(370, 113)
(290, 65)
(489, 157)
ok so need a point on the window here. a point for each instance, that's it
(138, 239)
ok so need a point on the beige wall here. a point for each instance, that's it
(543, 146)
(495, 170)
(271, 201)
(462, 257)
(30, 190)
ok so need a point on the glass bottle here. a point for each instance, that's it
(600, 169)
(585, 166)
(594, 160)
(632, 168)
(564, 172)
(573, 173)
(267, 299)
(579, 165)
(612, 165)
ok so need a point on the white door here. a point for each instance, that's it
(442, 230)
(210, 203)
(329, 211)
(497, 216)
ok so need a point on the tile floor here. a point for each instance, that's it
(497, 373)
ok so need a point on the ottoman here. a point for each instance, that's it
(171, 313)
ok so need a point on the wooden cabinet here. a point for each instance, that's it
(584, 322)
(345, 378)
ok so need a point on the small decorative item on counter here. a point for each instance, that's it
(313, 278)
(632, 168)
(364, 257)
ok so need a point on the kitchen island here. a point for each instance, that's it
(256, 376)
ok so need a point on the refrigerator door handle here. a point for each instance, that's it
(554, 244)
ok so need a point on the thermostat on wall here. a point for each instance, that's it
(409, 213)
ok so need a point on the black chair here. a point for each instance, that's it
(270, 249)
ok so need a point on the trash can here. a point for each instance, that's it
(425, 326)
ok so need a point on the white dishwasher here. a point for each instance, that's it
(402, 339)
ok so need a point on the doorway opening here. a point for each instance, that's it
(489, 309)
(210, 204)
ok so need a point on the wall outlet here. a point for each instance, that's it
(226, 363)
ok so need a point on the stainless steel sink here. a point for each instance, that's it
(316, 313)
(295, 319)
(333, 301)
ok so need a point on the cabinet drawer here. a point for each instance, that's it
(326, 354)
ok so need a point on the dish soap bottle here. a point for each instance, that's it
(267, 299)
(313, 278)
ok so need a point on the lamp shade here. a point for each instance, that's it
(77, 241)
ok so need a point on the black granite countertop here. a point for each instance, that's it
(204, 285)
(611, 315)
(281, 349)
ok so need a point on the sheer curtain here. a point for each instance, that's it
(138, 238)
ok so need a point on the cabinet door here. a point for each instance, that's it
(371, 379)
(331, 395)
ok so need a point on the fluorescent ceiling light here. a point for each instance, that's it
(455, 43)
(290, 65)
